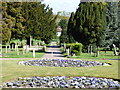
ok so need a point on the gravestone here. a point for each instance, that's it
(27, 48)
(115, 51)
(6, 49)
(17, 49)
(68, 52)
(91, 49)
(64, 47)
(44, 48)
(24, 49)
(33, 53)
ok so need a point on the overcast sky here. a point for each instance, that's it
(63, 5)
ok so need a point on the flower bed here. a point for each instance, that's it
(62, 63)
(62, 82)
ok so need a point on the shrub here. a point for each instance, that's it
(76, 48)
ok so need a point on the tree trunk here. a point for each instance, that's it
(88, 49)
(28, 41)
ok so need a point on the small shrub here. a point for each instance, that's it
(75, 48)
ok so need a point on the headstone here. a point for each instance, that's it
(64, 47)
(68, 52)
(24, 49)
(17, 49)
(115, 51)
(27, 48)
(33, 53)
(44, 48)
(91, 49)
(6, 49)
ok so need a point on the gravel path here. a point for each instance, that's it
(53, 52)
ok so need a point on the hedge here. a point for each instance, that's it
(76, 48)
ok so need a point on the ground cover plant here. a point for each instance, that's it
(62, 63)
(62, 82)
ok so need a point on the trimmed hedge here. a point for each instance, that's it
(76, 48)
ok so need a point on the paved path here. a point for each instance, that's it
(53, 51)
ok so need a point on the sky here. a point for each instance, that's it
(63, 5)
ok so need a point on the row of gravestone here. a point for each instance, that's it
(90, 50)
(25, 49)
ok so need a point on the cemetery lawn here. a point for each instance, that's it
(11, 70)
(13, 54)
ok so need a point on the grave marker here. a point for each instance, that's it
(33, 53)
(115, 51)
(6, 49)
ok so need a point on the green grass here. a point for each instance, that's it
(11, 70)
(102, 55)
(13, 54)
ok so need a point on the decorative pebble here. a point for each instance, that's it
(62, 63)
(62, 82)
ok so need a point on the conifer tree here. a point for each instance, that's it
(112, 31)
(89, 23)
(70, 28)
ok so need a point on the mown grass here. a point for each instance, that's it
(102, 55)
(13, 54)
(11, 70)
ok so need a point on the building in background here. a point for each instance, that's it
(59, 30)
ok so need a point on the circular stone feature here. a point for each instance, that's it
(62, 63)
(63, 82)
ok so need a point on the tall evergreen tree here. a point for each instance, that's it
(70, 28)
(40, 22)
(90, 22)
(112, 30)
(24, 19)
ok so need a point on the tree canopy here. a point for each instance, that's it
(24, 19)
(88, 24)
